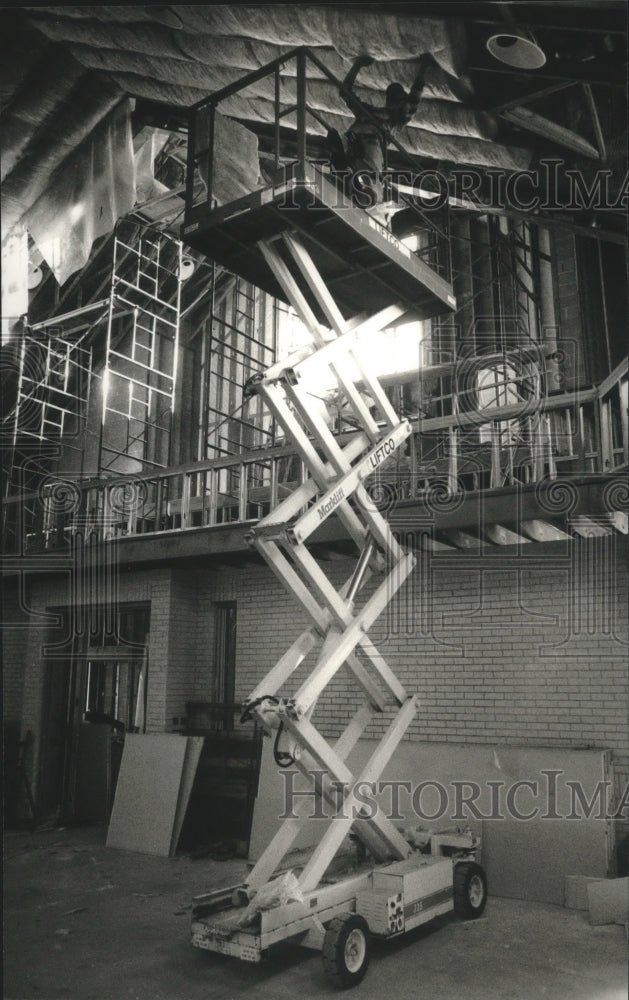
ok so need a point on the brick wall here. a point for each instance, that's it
(527, 650)
(522, 651)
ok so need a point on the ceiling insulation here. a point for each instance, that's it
(383, 36)
(64, 68)
(99, 54)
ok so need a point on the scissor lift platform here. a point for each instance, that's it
(363, 265)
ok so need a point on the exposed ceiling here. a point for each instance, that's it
(64, 68)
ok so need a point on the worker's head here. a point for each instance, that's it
(395, 94)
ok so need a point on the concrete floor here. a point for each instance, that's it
(85, 921)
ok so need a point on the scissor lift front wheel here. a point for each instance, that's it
(346, 950)
(470, 890)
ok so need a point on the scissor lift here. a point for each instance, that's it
(329, 261)
(400, 887)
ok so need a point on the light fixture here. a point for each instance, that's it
(517, 47)
(187, 268)
(35, 276)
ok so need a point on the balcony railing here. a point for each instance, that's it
(569, 434)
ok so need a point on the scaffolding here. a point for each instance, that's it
(140, 371)
(52, 396)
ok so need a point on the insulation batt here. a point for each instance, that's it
(446, 117)
(223, 54)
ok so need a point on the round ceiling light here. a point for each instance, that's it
(516, 47)
(35, 277)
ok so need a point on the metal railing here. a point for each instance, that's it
(567, 434)
(290, 144)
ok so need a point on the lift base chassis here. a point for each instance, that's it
(392, 898)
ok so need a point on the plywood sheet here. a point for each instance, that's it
(147, 793)
(191, 761)
(524, 859)
(529, 858)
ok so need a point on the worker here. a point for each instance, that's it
(362, 153)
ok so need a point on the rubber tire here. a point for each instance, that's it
(464, 874)
(336, 935)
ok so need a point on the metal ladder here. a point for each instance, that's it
(334, 486)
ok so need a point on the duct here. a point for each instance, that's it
(233, 53)
(85, 107)
(240, 33)
(94, 188)
(18, 59)
(35, 104)
(149, 39)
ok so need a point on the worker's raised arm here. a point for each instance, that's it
(420, 77)
(346, 90)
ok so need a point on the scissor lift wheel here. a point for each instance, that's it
(346, 950)
(470, 890)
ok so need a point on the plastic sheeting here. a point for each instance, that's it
(14, 281)
(94, 188)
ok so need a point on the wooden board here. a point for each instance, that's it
(523, 859)
(145, 806)
(191, 761)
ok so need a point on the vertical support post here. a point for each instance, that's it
(191, 157)
(276, 128)
(495, 478)
(210, 169)
(301, 108)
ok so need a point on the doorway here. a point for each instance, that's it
(95, 691)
